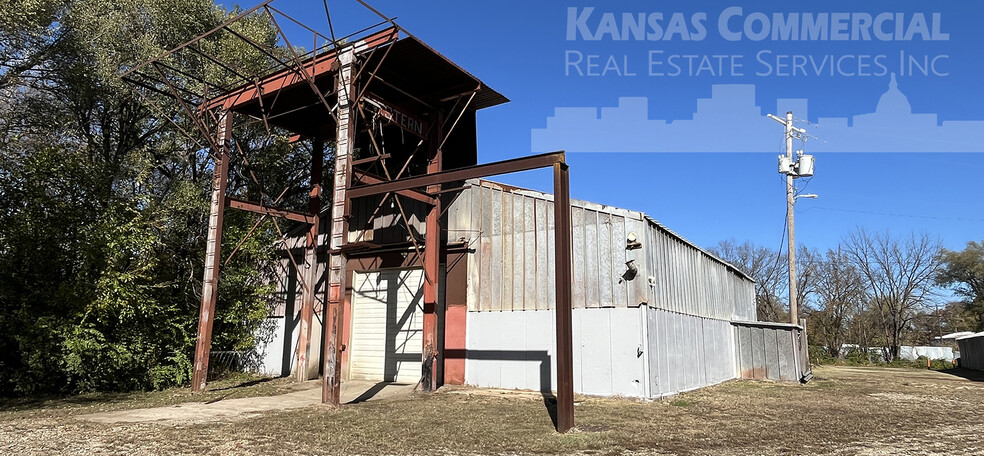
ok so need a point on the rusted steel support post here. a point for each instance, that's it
(562, 247)
(344, 142)
(432, 250)
(305, 368)
(213, 247)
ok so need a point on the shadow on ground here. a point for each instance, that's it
(969, 374)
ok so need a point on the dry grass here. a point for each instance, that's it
(844, 411)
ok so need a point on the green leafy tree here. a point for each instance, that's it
(103, 204)
(964, 271)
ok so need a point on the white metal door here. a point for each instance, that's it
(387, 325)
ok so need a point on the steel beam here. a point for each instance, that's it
(371, 159)
(470, 172)
(432, 250)
(304, 370)
(416, 195)
(210, 284)
(344, 143)
(272, 211)
(296, 74)
(564, 281)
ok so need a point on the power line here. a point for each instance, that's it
(889, 214)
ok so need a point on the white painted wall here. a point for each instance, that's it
(515, 350)
(269, 353)
(270, 348)
(913, 353)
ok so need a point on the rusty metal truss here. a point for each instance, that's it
(347, 98)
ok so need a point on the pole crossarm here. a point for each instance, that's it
(260, 208)
(469, 172)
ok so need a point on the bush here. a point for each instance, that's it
(819, 355)
(857, 357)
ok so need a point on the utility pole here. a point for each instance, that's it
(792, 168)
(790, 222)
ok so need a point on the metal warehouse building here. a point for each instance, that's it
(417, 270)
(653, 313)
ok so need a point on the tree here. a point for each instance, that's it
(899, 275)
(768, 269)
(964, 271)
(103, 205)
(841, 293)
(27, 37)
(762, 265)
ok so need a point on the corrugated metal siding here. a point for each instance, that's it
(387, 226)
(770, 351)
(972, 351)
(688, 352)
(511, 231)
(687, 280)
(512, 266)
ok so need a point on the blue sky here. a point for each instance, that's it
(522, 50)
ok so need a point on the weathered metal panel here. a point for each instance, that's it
(770, 351)
(972, 351)
(688, 352)
(486, 253)
(511, 231)
(771, 345)
(505, 259)
(759, 363)
(544, 251)
(578, 240)
(619, 269)
(592, 279)
(744, 347)
(387, 226)
(513, 372)
(652, 352)
(541, 331)
(516, 349)
(483, 342)
(606, 279)
(496, 236)
(512, 234)
(787, 364)
(596, 349)
(530, 250)
(691, 281)
(519, 253)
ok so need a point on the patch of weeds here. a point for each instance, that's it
(682, 402)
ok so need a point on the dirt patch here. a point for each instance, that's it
(228, 409)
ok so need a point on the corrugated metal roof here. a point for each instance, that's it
(705, 252)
